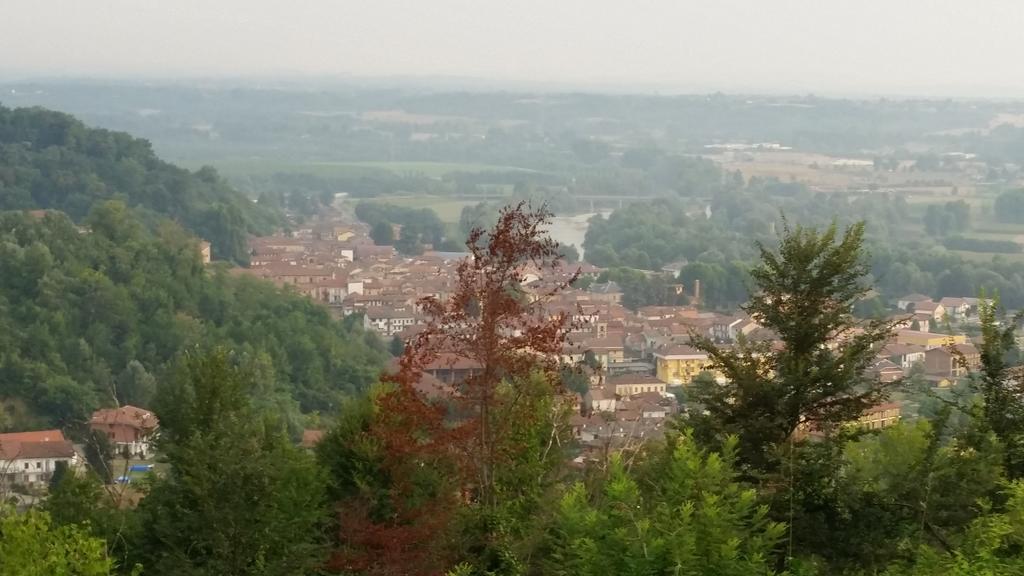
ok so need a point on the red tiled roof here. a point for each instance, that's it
(882, 407)
(33, 436)
(125, 415)
(627, 379)
(430, 387)
(450, 361)
(15, 450)
(311, 438)
(680, 350)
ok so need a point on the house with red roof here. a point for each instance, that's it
(31, 458)
(129, 429)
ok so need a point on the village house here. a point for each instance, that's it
(921, 321)
(886, 370)
(205, 252)
(659, 312)
(284, 274)
(928, 339)
(904, 355)
(606, 350)
(594, 427)
(880, 416)
(130, 429)
(31, 458)
(956, 308)
(607, 292)
(600, 399)
(935, 311)
(388, 321)
(727, 328)
(679, 364)
(909, 302)
(333, 291)
(630, 384)
(955, 363)
(642, 407)
(452, 369)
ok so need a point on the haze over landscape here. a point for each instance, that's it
(910, 47)
(457, 288)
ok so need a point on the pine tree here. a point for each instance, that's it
(693, 517)
(804, 293)
(1000, 384)
(32, 545)
(239, 498)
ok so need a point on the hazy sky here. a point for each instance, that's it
(862, 46)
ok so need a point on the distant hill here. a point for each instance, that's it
(101, 318)
(52, 160)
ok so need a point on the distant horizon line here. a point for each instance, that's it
(469, 83)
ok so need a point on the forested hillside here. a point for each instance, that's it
(51, 160)
(94, 315)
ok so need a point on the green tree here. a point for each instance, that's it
(859, 504)
(804, 293)
(99, 454)
(396, 346)
(569, 253)
(74, 499)
(32, 545)
(382, 234)
(991, 546)
(409, 243)
(135, 386)
(1009, 206)
(999, 383)
(87, 320)
(63, 165)
(694, 518)
(239, 498)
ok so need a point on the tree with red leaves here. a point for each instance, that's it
(487, 433)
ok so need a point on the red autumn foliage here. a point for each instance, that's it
(505, 333)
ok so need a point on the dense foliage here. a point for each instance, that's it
(723, 225)
(89, 316)
(240, 499)
(804, 294)
(50, 160)
(417, 228)
(31, 544)
(643, 289)
(719, 249)
(482, 482)
(694, 517)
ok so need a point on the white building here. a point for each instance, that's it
(31, 458)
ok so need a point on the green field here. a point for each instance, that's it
(240, 167)
(430, 169)
(447, 209)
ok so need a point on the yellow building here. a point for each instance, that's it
(928, 339)
(881, 416)
(204, 251)
(343, 233)
(680, 364)
(629, 384)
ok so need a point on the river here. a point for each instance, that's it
(572, 229)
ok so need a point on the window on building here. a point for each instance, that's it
(26, 465)
(39, 465)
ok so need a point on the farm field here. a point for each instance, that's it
(447, 209)
(258, 166)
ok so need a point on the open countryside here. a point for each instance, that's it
(512, 289)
